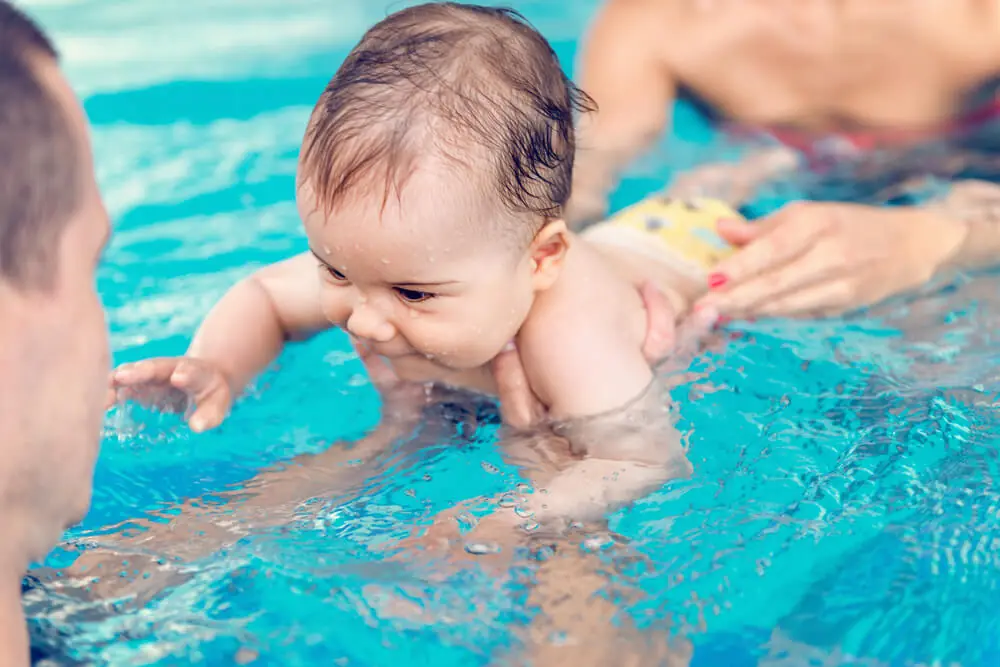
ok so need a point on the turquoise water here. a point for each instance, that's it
(842, 509)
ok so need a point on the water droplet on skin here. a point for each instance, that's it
(524, 488)
(466, 521)
(489, 467)
(523, 512)
(326, 249)
(597, 542)
(385, 261)
(482, 548)
(559, 638)
(508, 500)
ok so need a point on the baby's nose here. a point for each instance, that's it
(368, 323)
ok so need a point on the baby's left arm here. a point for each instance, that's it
(601, 394)
(580, 365)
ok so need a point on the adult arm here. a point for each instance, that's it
(623, 69)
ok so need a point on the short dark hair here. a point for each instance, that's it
(483, 75)
(39, 156)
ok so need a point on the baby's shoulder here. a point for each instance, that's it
(591, 298)
(585, 330)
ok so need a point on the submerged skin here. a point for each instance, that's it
(417, 284)
(428, 297)
(899, 71)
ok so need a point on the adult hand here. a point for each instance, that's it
(521, 409)
(822, 259)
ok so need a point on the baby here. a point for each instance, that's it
(432, 182)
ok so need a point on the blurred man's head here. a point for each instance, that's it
(53, 341)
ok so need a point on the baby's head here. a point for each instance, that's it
(433, 178)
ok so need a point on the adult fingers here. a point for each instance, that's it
(519, 406)
(694, 328)
(748, 297)
(786, 235)
(380, 372)
(740, 232)
(660, 323)
(822, 299)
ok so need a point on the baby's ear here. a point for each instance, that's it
(548, 252)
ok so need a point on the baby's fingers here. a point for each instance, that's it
(148, 371)
(210, 411)
(195, 377)
(208, 389)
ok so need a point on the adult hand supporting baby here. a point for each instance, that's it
(521, 409)
(823, 259)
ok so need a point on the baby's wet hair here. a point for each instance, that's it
(463, 82)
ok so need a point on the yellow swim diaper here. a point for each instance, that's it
(681, 232)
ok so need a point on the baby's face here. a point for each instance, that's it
(428, 275)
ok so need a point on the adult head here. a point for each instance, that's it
(53, 340)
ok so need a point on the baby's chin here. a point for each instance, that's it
(416, 368)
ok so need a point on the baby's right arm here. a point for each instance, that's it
(241, 335)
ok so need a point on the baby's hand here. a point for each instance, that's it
(173, 384)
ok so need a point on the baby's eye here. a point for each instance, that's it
(412, 295)
(335, 274)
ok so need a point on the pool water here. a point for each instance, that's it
(842, 509)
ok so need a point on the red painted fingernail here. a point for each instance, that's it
(716, 280)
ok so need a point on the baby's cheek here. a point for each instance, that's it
(425, 332)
